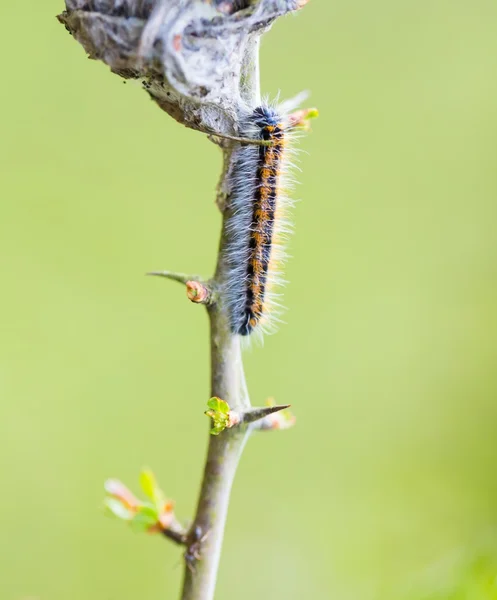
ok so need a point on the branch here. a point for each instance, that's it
(224, 451)
(199, 61)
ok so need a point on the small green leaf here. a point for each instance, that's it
(219, 412)
(219, 405)
(312, 113)
(150, 510)
(148, 483)
(144, 520)
(116, 509)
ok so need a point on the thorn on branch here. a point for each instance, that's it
(256, 414)
(197, 291)
(154, 516)
(179, 277)
(264, 418)
(278, 418)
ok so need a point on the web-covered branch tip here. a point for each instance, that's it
(191, 55)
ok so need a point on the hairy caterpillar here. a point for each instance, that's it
(256, 226)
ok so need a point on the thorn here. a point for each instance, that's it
(198, 292)
(179, 277)
(260, 413)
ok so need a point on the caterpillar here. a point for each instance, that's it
(256, 225)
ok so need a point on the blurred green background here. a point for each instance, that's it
(387, 487)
